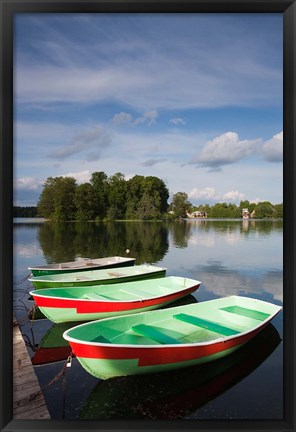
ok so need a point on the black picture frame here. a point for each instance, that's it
(7, 10)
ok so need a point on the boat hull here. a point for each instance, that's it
(98, 277)
(82, 265)
(106, 359)
(134, 297)
(175, 394)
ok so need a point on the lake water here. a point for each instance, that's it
(242, 257)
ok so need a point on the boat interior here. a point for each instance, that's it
(182, 327)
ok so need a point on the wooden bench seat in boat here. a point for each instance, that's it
(249, 313)
(153, 333)
(209, 325)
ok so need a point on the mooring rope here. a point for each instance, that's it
(59, 374)
(22, 280)
(26, 317)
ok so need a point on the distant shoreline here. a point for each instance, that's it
(42, 220)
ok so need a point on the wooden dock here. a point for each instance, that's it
(28, 400)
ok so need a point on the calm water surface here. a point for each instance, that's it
(228, 257)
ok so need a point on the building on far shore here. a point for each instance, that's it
(246, 214)
(196, 214)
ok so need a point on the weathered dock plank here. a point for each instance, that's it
(28, 400)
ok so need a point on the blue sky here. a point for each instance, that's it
(194, 99)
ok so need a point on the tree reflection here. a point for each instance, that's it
(147, 241)
(60, 242)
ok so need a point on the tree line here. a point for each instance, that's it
(261, 210)
(139, 198)
(103, 198)
(29, 212)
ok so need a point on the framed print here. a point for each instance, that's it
(147, 215)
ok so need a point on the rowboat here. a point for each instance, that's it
(80, 264)
(172, 395)
(96, 302)
(98, 277)
(169, 338)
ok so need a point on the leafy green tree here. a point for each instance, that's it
(180, 204)
(57, 199)
(156, 188)
(148, 207)
(264, 210)
(146, 198)
(117, 196)
(244, 204)
(64, 205)
(278, 211)
(85, 202)
(28, 212)
(134, 192)
(99, 182)
(45, 206)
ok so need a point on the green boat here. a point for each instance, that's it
(82, 264)
(98, 277)
(168, 339)
(97, 302)
(175, 394)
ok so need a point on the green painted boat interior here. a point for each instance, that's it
(129, 291)
(209, 325)
(193, 323)
(154, 334)
(261, 316)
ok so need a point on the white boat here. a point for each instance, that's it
(82, 264)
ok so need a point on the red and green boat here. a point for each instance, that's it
(98, 277)
(169, 338)
(175, 394)
(82, 264)
(96, 302)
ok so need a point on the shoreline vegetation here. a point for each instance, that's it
(138, 199)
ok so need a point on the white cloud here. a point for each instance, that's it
(122, 118)
(177, 121)
(28, 183)
(223, 150)
(81, 177)
(234, 196)
(209, 195)
(203, 194)
(273, 148)
(148, 117)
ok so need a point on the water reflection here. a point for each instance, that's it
(52, 347)
(148, 242)
(229, 257)
(175, 394)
